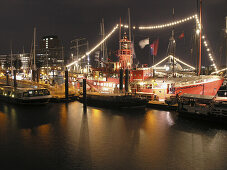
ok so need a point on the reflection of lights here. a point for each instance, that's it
(169, 119)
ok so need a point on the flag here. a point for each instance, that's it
(133, 51)
(181, 36)
(154, 47)
(144, 42)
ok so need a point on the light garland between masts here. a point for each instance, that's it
(93, 49)
(198, 29)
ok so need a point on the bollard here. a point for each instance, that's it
(66, 84)
(84, 93)
(126, 80)
(14, 79)
(37, 75)
(121, 80)
(7, 79)
(33, 75)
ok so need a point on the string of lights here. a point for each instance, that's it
(161, 26)
(209, 53)
(170, 56)
(93, 49)
(170, 24)
(198, 29)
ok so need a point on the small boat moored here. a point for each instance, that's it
(24, 95)
(202, 106)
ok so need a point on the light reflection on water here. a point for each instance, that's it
(63, 136)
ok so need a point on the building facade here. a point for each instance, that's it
(51, 52)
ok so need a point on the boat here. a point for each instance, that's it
(203, 106)
(167, 87)
(170, 80)
(116, 101)
(29, 96)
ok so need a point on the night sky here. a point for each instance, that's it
(80, 18)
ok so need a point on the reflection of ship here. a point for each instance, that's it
(172, 79)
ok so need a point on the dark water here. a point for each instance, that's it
(62, 136)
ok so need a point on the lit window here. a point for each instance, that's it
(51, 38)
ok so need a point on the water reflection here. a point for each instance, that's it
(67, 136)
(83, 152)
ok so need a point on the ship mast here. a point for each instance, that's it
(11, 57)
(34, 48)
(171, 49)
(226, 41)
(129, 25)
(174, 45)
(200, 37)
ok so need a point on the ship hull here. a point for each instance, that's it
(209, 88)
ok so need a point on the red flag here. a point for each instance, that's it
(156, 47)
(181, 36)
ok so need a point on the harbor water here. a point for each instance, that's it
(67, 137)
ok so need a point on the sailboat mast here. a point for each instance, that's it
(11, 57)
(120, 35)
(200, 37)
(226, 41)
(129, 25)
(173, 46)
(34, 48)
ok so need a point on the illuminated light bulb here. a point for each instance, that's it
(208, 49)
(203, 37)
(197, 31)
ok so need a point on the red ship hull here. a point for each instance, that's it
(209, 88)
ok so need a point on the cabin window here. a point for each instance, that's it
(41, 92)
(46, 92)
(36, 93)
(25, 94)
